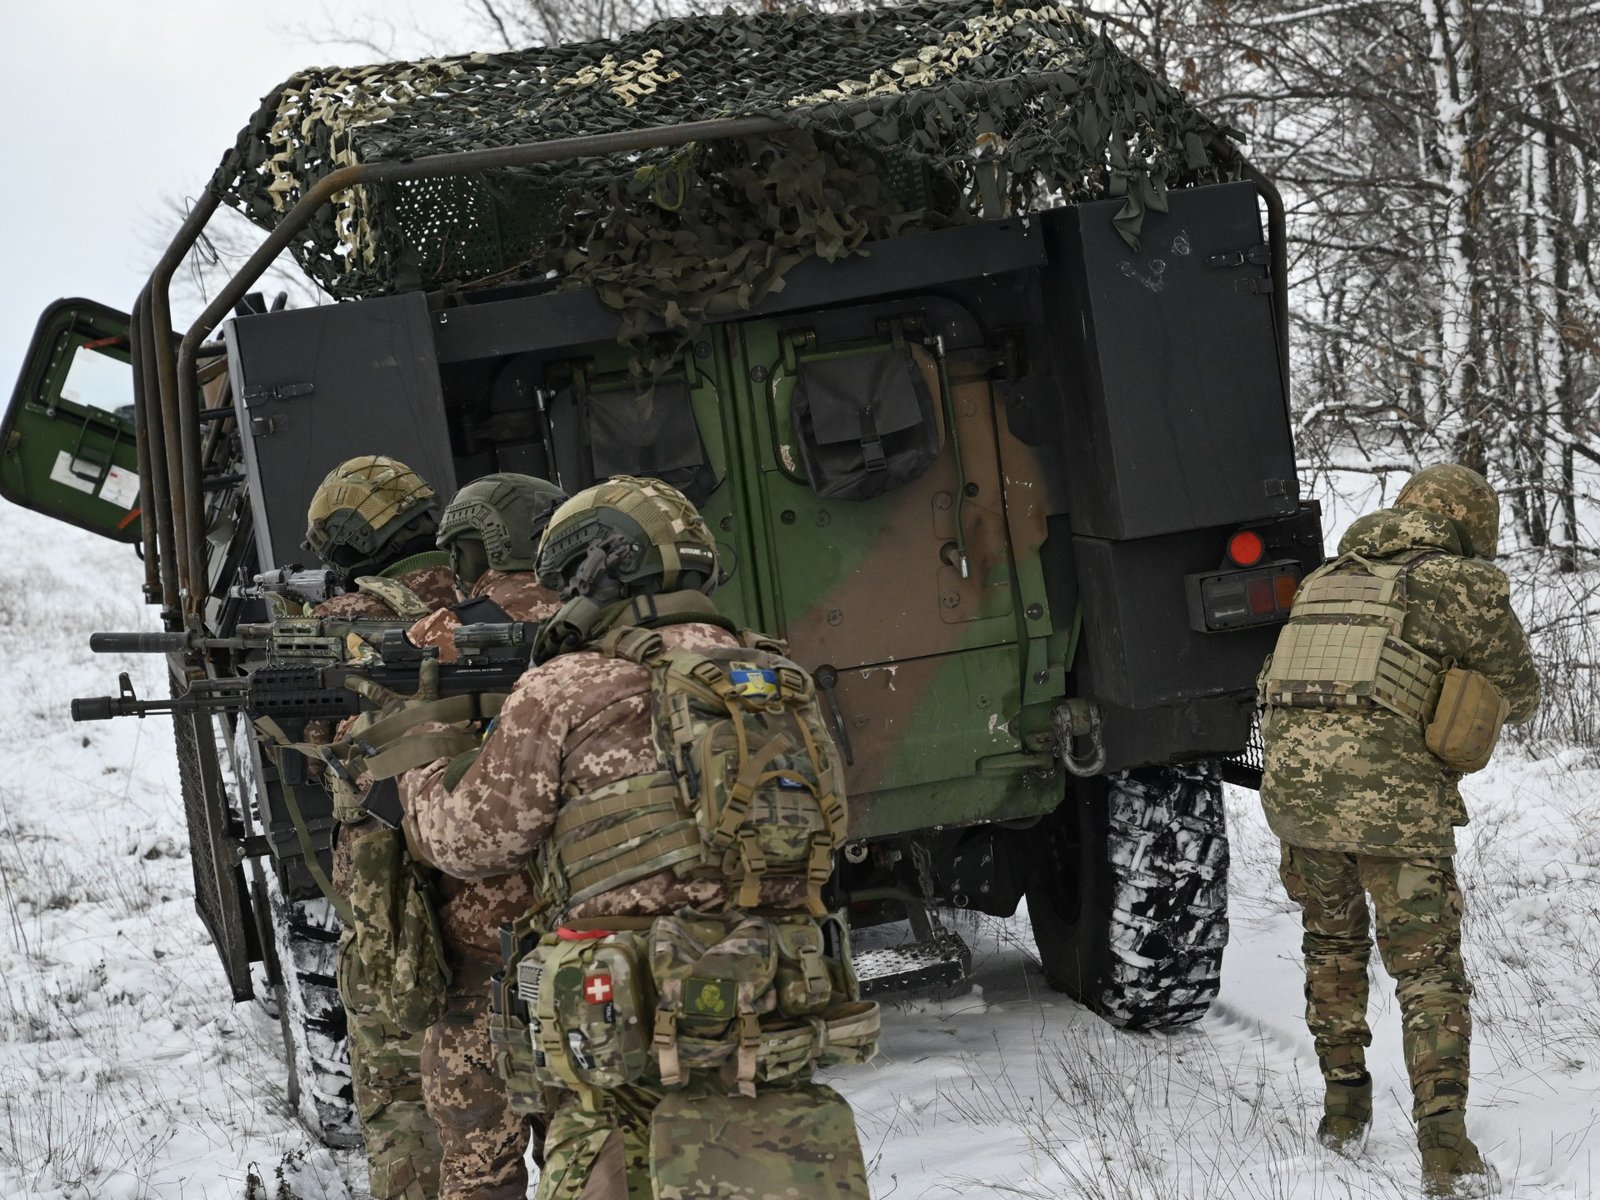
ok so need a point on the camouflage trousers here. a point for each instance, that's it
(386, 1071)
(386, 1075)
(601, 1155)
(482, 1138)
(795, 1140)
(1418, 909)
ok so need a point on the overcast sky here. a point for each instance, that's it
(111, 106)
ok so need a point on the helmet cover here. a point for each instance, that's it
(661, 543)
(363, 507)
(1461, 494)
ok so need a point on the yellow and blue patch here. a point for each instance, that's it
(756, 683)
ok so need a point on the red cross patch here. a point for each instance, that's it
(597, 988)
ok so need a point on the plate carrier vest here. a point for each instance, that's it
(1343, 645)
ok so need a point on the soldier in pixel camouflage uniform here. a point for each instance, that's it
(372, 520)
(580, 722)
(1363, 807)
(491, 531)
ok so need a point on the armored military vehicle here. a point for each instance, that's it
(967, 333)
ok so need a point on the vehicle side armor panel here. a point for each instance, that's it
(315, 386)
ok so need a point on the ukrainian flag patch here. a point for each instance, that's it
(758, 683)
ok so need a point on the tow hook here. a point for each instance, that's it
(1075, 719)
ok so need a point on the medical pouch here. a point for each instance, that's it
(589, 1001)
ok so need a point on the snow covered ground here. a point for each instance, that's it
(125, 1073)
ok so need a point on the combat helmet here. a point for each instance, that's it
(495, 523)
(1461, 494)
(369, 512)
(631, 536)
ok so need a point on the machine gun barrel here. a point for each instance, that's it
(137, 643)
(305, 690)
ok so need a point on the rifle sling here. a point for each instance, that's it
(297, 818)
(469, 706)
(302, 833)
(419, 750)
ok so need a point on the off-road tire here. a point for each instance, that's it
(1128, 894)
(306, 936)
(300, 954)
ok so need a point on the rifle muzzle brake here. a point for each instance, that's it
(94, 708)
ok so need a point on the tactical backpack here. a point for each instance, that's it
(749, 791)
(749, 788)
(393, 959)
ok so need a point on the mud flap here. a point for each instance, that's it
(797, 1141)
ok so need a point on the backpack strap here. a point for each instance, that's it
(401, 600)
(752, 639)
(642, 646)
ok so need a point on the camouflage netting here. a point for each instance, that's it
(901, 118)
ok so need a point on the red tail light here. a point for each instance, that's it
(1245, 548)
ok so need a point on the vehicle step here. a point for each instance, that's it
(940, 961)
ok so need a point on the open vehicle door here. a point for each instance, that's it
(67, 446)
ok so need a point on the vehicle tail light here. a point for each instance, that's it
(1245, 548)
(1233, 599)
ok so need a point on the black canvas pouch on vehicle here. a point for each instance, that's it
(865, 423)
(651, 434)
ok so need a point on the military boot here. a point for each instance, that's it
(1346, 1115)
(1451, 1164)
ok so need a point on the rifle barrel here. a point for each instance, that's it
(137, 643)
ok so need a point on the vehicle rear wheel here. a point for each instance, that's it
(1128, 894)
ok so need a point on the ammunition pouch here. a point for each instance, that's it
(1467, 721)
(739, 998)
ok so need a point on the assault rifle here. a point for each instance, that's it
(303, 584)
(304, 672)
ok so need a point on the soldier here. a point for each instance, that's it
(372, 521)
(1363, 806)
(491, 531)
(574, 771)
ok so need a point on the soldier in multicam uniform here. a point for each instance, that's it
(1364, 807)
(372, 520)
(491, 531)
(632, 553)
